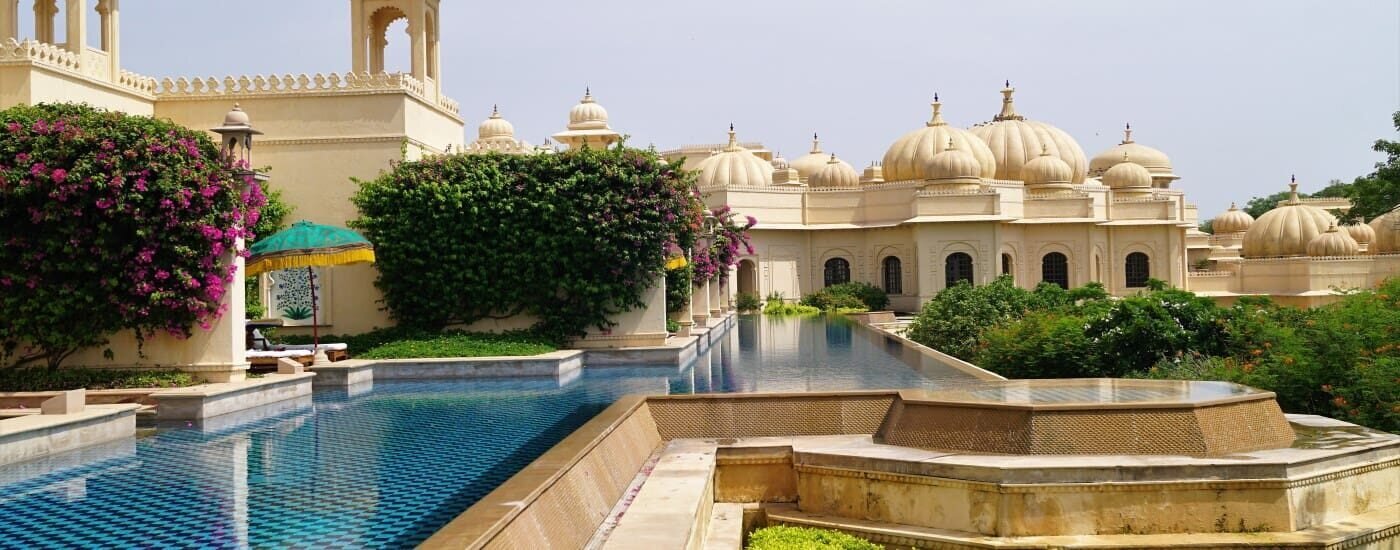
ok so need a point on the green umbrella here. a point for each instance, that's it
(308, 245)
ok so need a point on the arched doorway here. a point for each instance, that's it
(1054, 269)
(893, 271)
(1137, 269)
(957, 268)
(748, 277)
(836, 271)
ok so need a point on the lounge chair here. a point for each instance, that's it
(268, 358)
(334, 352)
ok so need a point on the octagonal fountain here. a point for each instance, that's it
(1101, 463)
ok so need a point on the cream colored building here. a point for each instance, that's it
(1011, 196)
(1296, 253)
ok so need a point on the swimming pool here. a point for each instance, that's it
(388, 467)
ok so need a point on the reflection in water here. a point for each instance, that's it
(387, 464)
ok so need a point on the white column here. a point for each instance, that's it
(418, 37)
(44, 12)
(700, 303)
(358, 47)
(76, 12)
(9, 20)
(111, 35)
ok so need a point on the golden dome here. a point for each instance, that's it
(1127, 175)
(812, 162)
(734, 166)
(1333, 242)
(1047, 170)
(1014, 141)
(907, 158)
(495, 127)
(1153, 160)
(1363, 233)
(1286, 230)
(953, 163)
(836, 173)
(1233, 220)
(1387, 228)
(588, 114)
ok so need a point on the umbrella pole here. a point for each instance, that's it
(315, 334)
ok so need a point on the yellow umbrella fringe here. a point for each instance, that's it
(264, 265)
(676, 262)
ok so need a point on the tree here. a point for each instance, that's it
(1257, 206)
(111, 222)
(1379, 192)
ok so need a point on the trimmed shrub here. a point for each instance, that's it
(782, 537)
(571, 238)
(748, 302)
(111, 222)
(848, 296)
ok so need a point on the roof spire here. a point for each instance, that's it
(733, 141)
(1232, 206)
(1008, 110)
(833, 159)
(495, 113)
(1045, 151)
(937, 119)
(951, 146)
(1293, 189)
(816, 144)
(1127, 133)
(587, 95)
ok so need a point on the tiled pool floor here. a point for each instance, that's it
(386, 468)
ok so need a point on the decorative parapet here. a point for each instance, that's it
(953, 193)
(707, 147)
(1210, 274)
(92, 64)
(1325, 203)
(303, 84)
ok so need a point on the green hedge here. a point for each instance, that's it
(571, 239)
(782, 537)
(411, 343)
(848, 296)
(42, 379)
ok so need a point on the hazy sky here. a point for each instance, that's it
(1239, 94)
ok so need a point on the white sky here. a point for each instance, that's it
(1239, 93)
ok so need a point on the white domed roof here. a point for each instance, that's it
(495, 126)
(836, 173)
(1127, 175)
(1287, 229)
(1153, 160)
(1387, 228)
(780, 163)
(734, 166)
(812, 162)
(1233, 220)
(1363, 233)
(588, 114)
(1014, 141)
(1047, 170)
(1333, 242)
(907, 158)
(952, 163)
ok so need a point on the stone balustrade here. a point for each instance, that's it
(261, 85)
(92, 64)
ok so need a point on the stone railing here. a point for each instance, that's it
(707, 147)
(301, 84)
(93, 64)
(1210, 274)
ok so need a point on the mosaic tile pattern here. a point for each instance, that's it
(387, 468)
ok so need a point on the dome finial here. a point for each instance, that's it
(1044, 149)
(816, 144)
(1125, 156)
(587, 95)
(951, 146)
(937, 119)
(733, 144)
(1293, 189)
(1232, 206)
(1127, 133)
(833, 159)
(1008, 109)
(495, 112)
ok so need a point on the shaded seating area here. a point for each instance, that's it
(263, 353)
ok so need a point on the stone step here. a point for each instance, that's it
(726, 527)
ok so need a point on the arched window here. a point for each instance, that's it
(1054, 269)
(1005, 263)
(1136, 268)
(837, 271)
(894, 283)
(957, 267)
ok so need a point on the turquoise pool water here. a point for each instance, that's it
(388, 466)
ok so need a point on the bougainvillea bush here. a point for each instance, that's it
(111, 222)
(721, 238)
(570, 239)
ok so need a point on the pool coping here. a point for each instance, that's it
(206, 401)
(31, 437)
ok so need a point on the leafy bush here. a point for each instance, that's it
(780, 307)
(410, 343)
(848, 296)
(748, 302)
(679, 285)
(782, 537)
(954, 319)
(571, 238)
(1043, 344)
(34, 379)
(111, 222)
